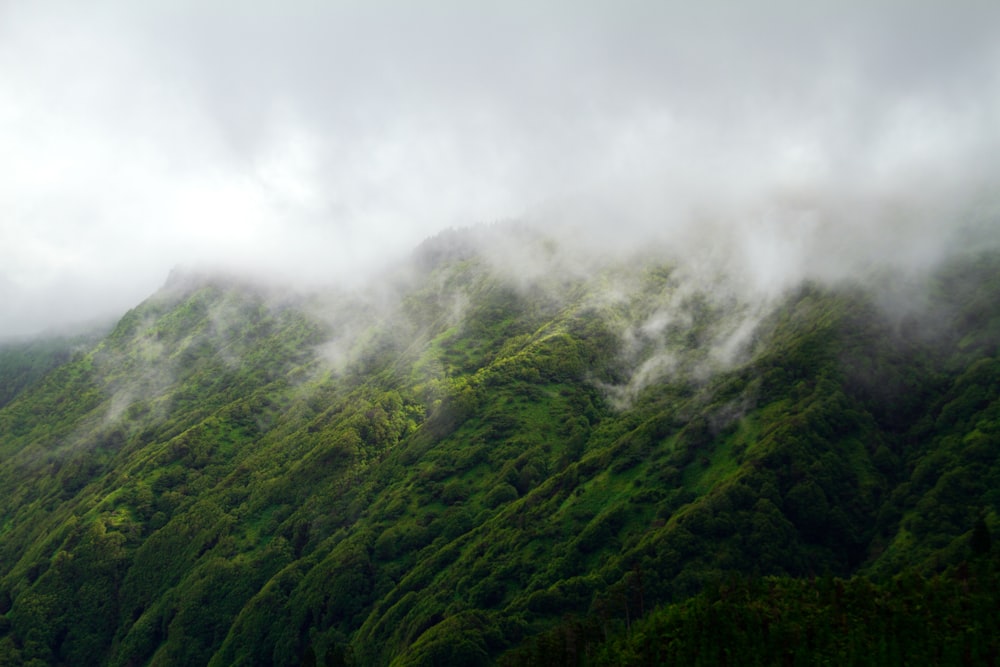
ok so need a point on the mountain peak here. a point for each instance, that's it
(234, 473)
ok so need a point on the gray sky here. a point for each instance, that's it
(311, 140)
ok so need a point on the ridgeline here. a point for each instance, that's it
(472, 465)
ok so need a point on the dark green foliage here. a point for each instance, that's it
(22, 364)
(495, 464)
(947, 619)
(981, 541)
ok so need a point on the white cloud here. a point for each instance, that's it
(309, 139)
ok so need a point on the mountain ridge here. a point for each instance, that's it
(450, 465)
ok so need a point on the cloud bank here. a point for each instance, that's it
(312, 141)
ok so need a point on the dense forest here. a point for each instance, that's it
(470, 464)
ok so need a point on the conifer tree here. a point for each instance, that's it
(981, 540)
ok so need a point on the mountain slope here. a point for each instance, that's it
(25, 362)
(437, 472)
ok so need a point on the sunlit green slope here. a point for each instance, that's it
(438, 471)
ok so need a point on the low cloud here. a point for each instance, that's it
(317, 142)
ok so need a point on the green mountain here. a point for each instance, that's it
(503, 454)
(25, 362)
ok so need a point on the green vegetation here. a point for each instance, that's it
(557, 471)
(948, 618)
(23, 363)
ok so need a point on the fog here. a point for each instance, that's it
(318, 142)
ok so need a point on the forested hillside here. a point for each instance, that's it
(24, 362)
(473, 463)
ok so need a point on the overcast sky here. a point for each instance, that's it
(310, 139)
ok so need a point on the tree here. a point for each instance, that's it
(981, 540)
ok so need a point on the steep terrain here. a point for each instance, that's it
(471, 458)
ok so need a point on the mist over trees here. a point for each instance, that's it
(509, 333)
(493, 454)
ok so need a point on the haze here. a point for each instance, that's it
(314, 142)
